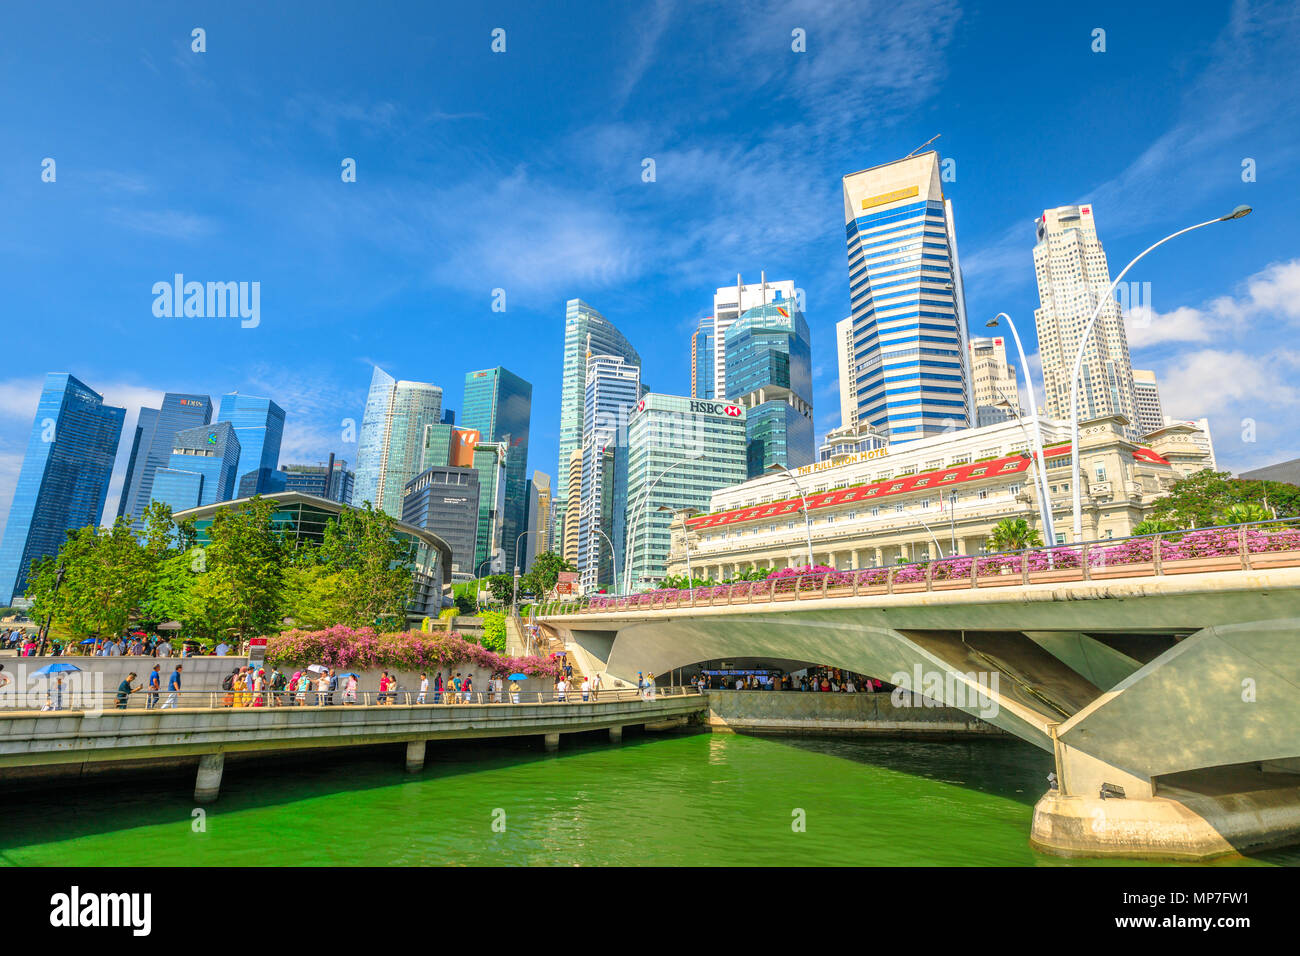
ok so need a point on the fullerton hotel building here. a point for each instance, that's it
(934, 497)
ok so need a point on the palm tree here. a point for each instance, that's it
(1154, 526)
(1014, 534)
(1243, 513)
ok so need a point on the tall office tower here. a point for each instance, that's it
(702, 366)
(769, 372)
(259, 426)
(906, 299)
(205, 467)
(151, 447)
(665, 430)
(612, 392)
(444, 499)
(538, 519)
(729, 302)
(327, 479)
(498, 405)
(993, 380)
(1073, 278)
(557, 526)
(64, 477)
(390, 447)
(848, 384)
(586, 333)
(572, 508)
(491, 462)
(1146, 396)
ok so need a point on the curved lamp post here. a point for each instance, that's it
(613, 556)
(1044, 501)
(775, 468)
(514, 593)
(636, 521)
(1237, 213)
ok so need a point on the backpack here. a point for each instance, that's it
(278, 682)
(228, 682)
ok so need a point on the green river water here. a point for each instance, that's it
(690, 799)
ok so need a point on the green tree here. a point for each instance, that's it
(241, 588)
(1014, 534)
(501, 587)
(374, 567)
(494, 631)
(680, 582)
(1198, 500)
(105, 576)
(544, 573)
(750, 574)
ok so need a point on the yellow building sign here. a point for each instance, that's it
(873, 201)
(841, 460)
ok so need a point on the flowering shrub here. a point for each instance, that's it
(365, 649)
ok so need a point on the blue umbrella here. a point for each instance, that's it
(519, 677)
(91, 640)
(59, 667)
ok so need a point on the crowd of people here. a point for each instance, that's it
(831, 680)
(137, 644)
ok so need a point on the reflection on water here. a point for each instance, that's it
(695, 799)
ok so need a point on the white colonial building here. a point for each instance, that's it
(933, 497)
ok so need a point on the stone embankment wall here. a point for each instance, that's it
(807, 712)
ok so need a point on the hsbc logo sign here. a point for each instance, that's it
(717, 408)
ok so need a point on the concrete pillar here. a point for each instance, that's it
(552, 742)
(853, 559)
(616, 735)
(415, 756)
(208, 782)
(880, 557)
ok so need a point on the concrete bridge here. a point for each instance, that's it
(1167, 689)
(48, 746)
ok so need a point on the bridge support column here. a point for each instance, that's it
(208, 782)
(552, 742)
(616, 735)
(415, 756)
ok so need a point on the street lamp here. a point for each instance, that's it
(1045, 502)
(686, 535)
(613, 556)
(776, 468)
(1040, 478)
(514, 595)
(49, 618)
(636, 520)
(1237, 213)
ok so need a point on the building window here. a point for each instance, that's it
(898, 507)
(1101, 472)
(1015, 489)
(925, 504)
(983, 493)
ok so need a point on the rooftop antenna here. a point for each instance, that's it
(923, 145)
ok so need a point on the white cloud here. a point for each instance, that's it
(1146, 327)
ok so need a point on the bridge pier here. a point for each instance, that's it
(552, 742)
(415, 756)
(616, 735)
(207, 783)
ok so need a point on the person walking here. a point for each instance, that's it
(304, 685)
(424, 688)
(561, 688)
(437, 687)
(155, 684)
(350, 690)
(586, 689)
(500, 682)
(595, 686)
(277, 683)
(332, 687)
(322, 689)
(650, 687)
(173, 689)
(514, 692)
(466, 689)
(125, 690)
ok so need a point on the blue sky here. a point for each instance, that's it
(522, 171)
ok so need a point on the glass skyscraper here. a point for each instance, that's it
(64, 478)
(613, 387)
(204, 467)
(769, 372)
(490, 463)
(586, 332)
(390, 448)
(498, 404)
(909, 352)
(702, 370)
(151, 447)
(664, 433)
(259, 425)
